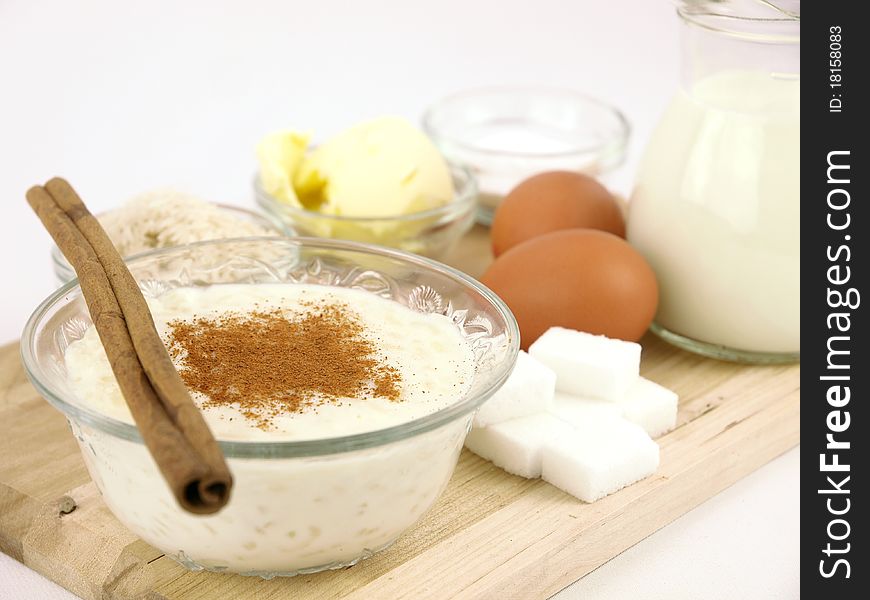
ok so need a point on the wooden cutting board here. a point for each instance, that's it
(491, 535)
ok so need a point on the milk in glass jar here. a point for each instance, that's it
(716, 206)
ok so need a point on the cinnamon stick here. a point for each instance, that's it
(171, 425)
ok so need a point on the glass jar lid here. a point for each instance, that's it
(773, 21)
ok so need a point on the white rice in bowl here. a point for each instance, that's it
(166, 218)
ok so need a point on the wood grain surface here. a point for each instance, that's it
(490, 536)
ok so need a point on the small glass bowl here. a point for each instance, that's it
(296, 506)
(64, 271)
(430, 233)
(507, 134)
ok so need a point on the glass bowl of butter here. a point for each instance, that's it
(331, 461)
(381, 182)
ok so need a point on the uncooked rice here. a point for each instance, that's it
(166, 218)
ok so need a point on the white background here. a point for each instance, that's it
(121, 97)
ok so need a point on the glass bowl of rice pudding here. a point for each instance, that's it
(321, 482)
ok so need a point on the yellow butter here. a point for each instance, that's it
(279, 155)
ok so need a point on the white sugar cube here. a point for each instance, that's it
(651, 406)
(599, 458)
(576, 409)
(516, 445)
(588, 365)
(527, 391)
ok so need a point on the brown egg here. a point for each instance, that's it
(552, 201)
(581, 279)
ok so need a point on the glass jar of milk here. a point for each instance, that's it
(716, 206)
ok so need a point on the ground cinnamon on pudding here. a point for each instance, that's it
(279, 361)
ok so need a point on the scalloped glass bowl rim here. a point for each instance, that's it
(464, 200)
(285, 449)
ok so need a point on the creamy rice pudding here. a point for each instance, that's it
(288, 515)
